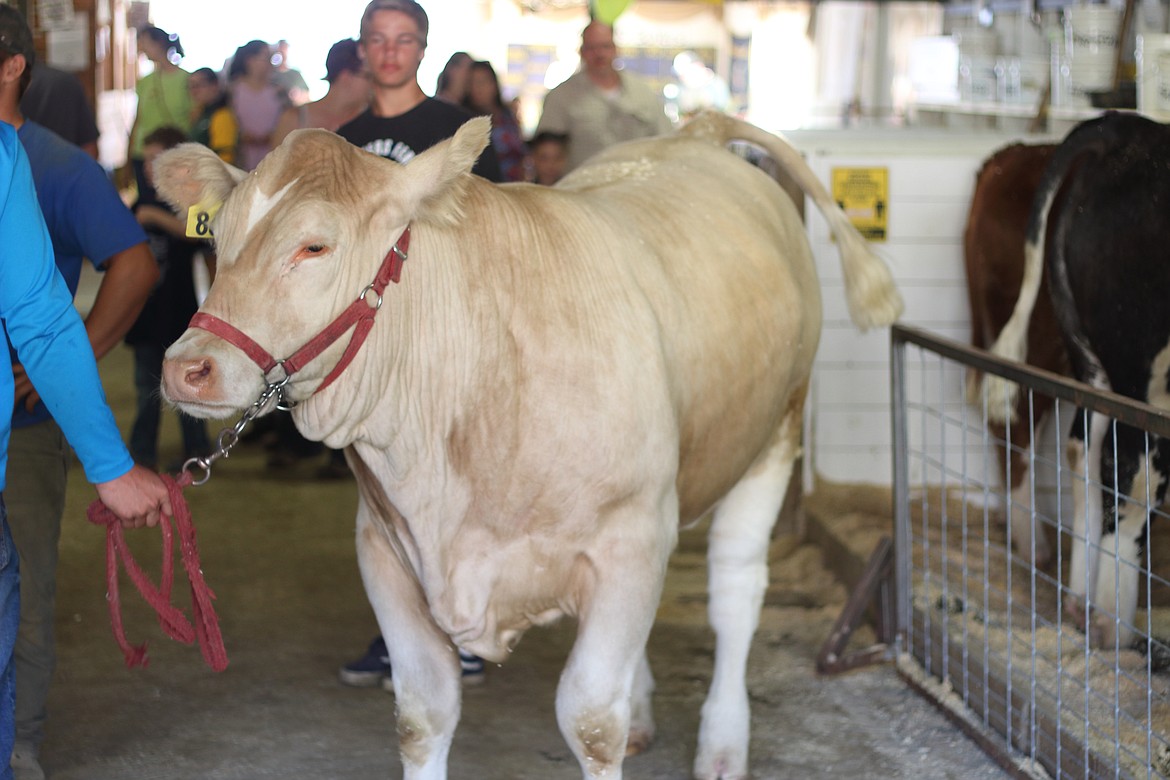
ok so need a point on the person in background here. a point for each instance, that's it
(484, 98)
(214, 123)
(401, 122)
(451, 86)
(258, 102)
(599, 106)
(85, 218)
(56, 99)
(548, 155)
(348, 95)
(164, 317)
(162, 95)
(288, 79)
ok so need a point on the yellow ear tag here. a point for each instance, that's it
(199, 220)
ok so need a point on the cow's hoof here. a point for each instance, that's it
(721, 776)
(1105, 633)
(1100, 633)
(720, 768)
(639, 741)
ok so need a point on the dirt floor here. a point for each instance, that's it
(278, 550)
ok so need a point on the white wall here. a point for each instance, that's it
(931, 179)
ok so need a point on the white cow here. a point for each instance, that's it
(561, 380)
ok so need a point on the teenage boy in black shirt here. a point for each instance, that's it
(401, 122)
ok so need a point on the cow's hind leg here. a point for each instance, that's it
(1141, 485)
(1028, 534)
(1084, 458)
(738, 576)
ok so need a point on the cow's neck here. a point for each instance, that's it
(438, 342)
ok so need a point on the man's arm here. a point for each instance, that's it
(130, 276)
(36, 308)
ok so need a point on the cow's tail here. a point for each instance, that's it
(873, 299)
(1012, 343)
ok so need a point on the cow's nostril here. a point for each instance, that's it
(198, 374)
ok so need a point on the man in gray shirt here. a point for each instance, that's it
(599, 106)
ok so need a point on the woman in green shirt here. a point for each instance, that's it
(163, 99)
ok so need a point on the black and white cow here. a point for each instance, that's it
(1100, 224)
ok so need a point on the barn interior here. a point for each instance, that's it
(902, 98)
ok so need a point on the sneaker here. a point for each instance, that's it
(369, 670)
(25, 762)
(472, 667)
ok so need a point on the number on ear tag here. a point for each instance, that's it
(199, 220)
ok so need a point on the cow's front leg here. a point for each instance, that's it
(641, 709)
(594, 695)
(424, 663)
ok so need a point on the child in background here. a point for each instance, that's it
(214, 124)
(548, 154)
(165, 315)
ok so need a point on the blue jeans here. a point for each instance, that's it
(9, 622)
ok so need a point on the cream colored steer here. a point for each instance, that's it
(562, 378)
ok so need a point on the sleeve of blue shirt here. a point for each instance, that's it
(106, 226)
(45, 328)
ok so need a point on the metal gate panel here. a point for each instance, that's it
(980, 625)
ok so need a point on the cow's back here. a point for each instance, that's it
(692, 270)
(993, 250)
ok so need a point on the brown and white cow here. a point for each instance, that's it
(993, 253)
(1098, 228)
(562, 378)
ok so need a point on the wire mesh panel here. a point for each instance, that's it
(1028, 587)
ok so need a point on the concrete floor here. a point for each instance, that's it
(278, 550)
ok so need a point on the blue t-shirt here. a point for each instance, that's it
(37, 313)
(85, 215)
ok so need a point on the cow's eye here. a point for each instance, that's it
(310, 250)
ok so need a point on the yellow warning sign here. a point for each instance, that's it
(864, 195)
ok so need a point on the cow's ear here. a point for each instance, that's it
(435, 172)
(192, 174)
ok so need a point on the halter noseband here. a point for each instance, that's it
(359, 315)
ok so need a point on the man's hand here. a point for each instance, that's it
(25, 392)
(138, 498)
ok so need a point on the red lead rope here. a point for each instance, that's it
(172, 619)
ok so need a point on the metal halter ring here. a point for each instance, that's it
(364, 296)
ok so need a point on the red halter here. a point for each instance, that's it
(359, 315)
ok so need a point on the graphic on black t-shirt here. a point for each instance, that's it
(401, 137)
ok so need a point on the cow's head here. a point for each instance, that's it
(296, 241)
